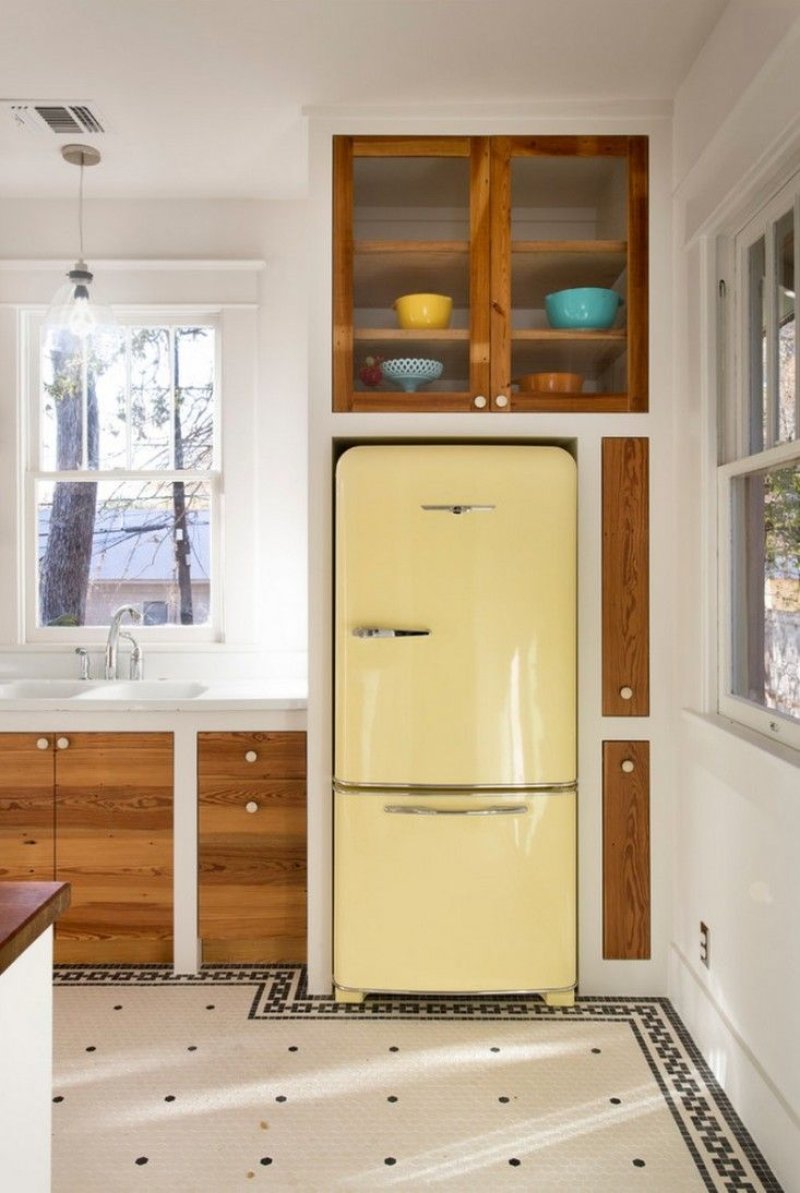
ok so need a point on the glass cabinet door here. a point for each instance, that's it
(569, 273)
(411, 217)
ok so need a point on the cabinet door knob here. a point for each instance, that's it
(480, 401)
(501, 400)
(626, 693)
(42, 743)
(627, 765)
(62, 743)
(251, 806)
(250, 756)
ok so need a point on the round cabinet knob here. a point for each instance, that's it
(627, 765)
(62, 743)
(501, 400)
(42, 743)
(250, 756)
(626, 693)
(479, 402)
(251, 806)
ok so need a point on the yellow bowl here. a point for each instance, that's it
(423, 310)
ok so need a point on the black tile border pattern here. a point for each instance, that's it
(723, 1151)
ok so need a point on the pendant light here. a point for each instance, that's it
(75, 306)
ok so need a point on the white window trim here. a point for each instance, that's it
(29, 413)
(736, 458)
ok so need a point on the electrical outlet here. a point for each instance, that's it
(704, 945)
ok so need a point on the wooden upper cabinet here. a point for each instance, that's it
(495, 223)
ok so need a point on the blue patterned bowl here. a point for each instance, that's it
(588, 307)
(409, 372)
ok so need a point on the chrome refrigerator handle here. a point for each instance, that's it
(369, 631)
(512, 810)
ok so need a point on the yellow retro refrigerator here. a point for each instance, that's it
(455, 724)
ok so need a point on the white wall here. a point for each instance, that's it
(737, 796)
(264, 440)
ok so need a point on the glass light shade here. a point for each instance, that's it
(76, 305)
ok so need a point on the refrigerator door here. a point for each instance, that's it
(455, 615)
(452, 892)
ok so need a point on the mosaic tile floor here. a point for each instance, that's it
(237, 1079)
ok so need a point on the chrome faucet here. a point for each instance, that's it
(136, 654)
(112, 642)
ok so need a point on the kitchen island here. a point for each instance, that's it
(28, 911)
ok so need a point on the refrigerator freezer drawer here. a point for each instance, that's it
(456, 892)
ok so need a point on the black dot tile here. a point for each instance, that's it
(281, 1098)
(118, 1007)
(615, 1101)
(504, 1099)
(394, 1048)
(265, 1160)
(192, 1048)
(597, 1051)
(638, 1163)
(494, 1048)
(293, 1048)
(141, 1160)
(211, 1007)
(514, 1162)
(58, 1098)
(170, 1098)
(390, 1160)
(392, 1098)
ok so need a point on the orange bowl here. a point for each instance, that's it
(551, 383)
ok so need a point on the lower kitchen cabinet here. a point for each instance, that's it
(27, 808)
(252, 846)
(94, 810)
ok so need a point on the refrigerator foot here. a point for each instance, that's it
(348, 995)
(560, 998)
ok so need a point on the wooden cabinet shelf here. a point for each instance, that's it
(495, 223)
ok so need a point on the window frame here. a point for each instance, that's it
(32, 473)
(737, 459)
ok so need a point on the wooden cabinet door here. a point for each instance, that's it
(114, 844)
(410, 215)
(626, 580)
(27, 810)
(252, 846)
(626, 850)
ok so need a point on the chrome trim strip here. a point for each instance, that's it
(460, 509)
(410, 810)
(345, 787)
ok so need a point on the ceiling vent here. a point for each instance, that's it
(63, 119)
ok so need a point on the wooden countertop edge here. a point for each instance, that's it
(27, 909)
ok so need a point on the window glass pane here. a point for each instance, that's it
(104, 543)
(63, 400)
(151, 397)
(787, 334)
(757, 323)
(194, 397)
(766, 623)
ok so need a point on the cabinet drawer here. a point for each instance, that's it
(226, 757)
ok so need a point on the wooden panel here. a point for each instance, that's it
(569, 146)
(501, 268)
(114, 844)
(27, 808)
(481, 230)
(626, 616)
(342, 272)
(626, 850)
(638, 272)
(252, 865)
(399, 146)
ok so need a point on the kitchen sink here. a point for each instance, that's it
(40, 689)
(141, 689)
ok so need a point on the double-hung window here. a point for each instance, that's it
(123, 478)
(759, 480)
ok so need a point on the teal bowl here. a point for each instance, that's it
(590, 308)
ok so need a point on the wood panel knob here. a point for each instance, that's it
(62, 743)
(251, 806)
(250, 756)
(42, 743)
(480, 402)
(501, 400)
(627, 765)
(626, 693)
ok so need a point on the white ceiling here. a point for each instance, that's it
(205, 97)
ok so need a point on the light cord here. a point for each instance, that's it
(80, 210)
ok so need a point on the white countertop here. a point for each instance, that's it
(144, 696)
